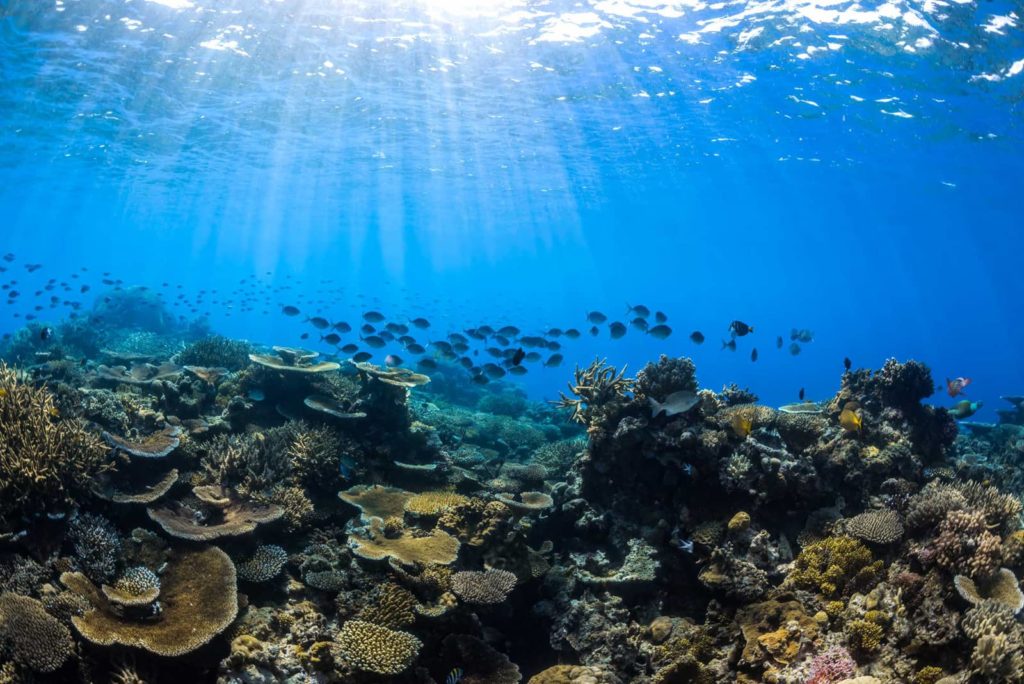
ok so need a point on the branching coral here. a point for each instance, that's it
(370, 647)
(666, 376)
(46, 462)
(965, 545)
(216, 351)
(265, 564)
(483, 588)
(835, 566)
(595, 387)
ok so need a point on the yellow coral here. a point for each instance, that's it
(739, 522)
(834, 609)
(864, 635)
(370, 647)
(834, 566)
(433, 502)
(929, 675)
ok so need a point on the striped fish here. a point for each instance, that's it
(455, 676)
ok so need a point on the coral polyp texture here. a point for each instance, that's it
(385, 528)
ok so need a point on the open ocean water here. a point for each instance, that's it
(493, 194)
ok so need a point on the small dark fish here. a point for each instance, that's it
(83, 289)
(414, 348)
(319, 322)
(639, 323)
(375, 341)
(331, 338)
(45, 333)
(660, 332)
(393, 360)
(572, 334)
(801, 335)
(640, 310)
(847, 363)
(730, 345)
(460, 347)
(794, 348)
(373, 316)
(660, 317)
(533, 357)
(594, 331)
(428, 364)
(518, 357)
(554, 346)
(8, 257)
(367, 329)
(421, 323)
(697, 337)
(517, 370)
(362, 356)
(554, 360)
(753, 354)
(480, 379)
(778, 342)
(342, 327)
(397, 328)
(502, 340)
(596, 317)
(350, 348)
(304, 336)
(287, 310)
(739, 329)
(802, 394)
(442, 345)
(466, 362)
(508, 331)
(554, 332)
(617, 330)
(493, 371)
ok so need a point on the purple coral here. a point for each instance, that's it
(831, 666)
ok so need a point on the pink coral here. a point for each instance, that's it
(830, 666)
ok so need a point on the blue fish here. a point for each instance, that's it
(455, 676)
(347, 467)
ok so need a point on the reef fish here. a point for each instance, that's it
(46, 333)
(730, 345)
(794, 348)
(847, 363)
(319, 322)
(289, 311)
(964, 409)
(956, 386)
(454, 677)
(674, 404)
(753, 354)
(801, 335)
(697, 337)
(660, 332)
(617, 330)
(518, 356)
(596, 317)
(331, 338)
(421, 323)
(373, 316)
(640, 310)
(739, 329)
(850, 419)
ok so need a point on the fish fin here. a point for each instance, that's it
(656, 408)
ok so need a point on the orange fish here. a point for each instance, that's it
(956, 386)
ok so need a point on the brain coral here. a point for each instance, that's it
(484, 588)
(879, 527)
(370, 647)
(31, 636)
(199, 599)
(45, 461)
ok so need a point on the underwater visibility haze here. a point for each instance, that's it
(511, 340)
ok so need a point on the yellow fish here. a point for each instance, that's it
(850, 420)
(742, 425)
(3, 393)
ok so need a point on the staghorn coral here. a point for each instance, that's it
(998, 658)
(595, 388)
(483, 588)
(373, 648)
(835, 566)
(930, 506)
(250, 463)
(1001, 511)
(878, 527)
(864, 636)
(32, 637)
(314, 453)
(265, 564)
(46, 462)
(199, 600)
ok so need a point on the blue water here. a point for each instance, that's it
(851, 168)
